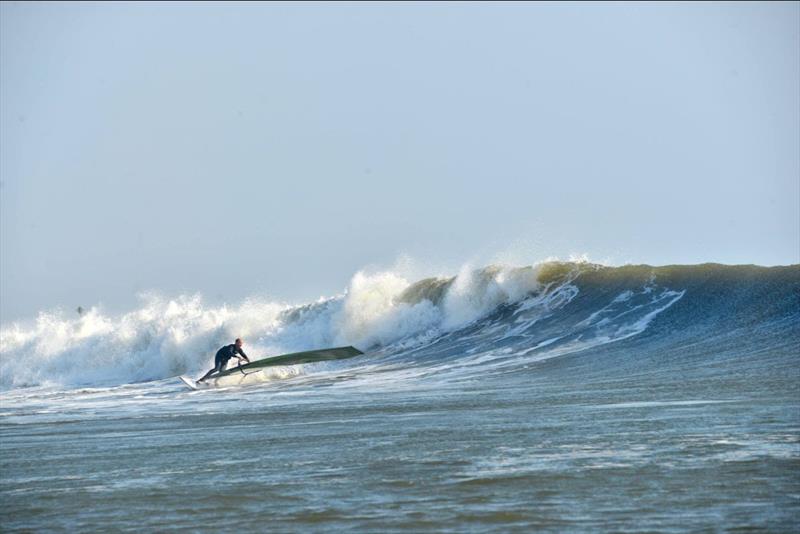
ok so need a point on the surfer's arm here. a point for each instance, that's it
(240, 351)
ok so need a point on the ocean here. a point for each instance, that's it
(558, 397)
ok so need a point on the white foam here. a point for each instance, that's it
(168, 337)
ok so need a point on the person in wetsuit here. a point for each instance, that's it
(224, 354)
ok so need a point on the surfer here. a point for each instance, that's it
(226, 353)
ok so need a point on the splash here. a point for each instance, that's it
(167, 337)
(479, 317)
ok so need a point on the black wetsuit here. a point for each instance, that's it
(221, 359)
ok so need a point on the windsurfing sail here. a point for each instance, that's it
(309, 356)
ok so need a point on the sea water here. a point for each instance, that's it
(559, 397)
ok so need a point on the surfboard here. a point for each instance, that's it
(294, 358)
(189, 382)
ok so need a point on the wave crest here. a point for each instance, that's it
(541, 311)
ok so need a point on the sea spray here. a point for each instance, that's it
(535, 312)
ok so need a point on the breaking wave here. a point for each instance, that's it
(490, 318)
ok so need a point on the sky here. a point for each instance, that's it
(235, 149)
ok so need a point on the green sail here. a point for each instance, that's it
(309, 356)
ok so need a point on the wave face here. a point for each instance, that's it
(492, 320)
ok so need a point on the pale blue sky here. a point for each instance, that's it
(275, 149)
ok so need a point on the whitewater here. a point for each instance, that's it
(561, 396)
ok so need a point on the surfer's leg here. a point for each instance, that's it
(207, 374)
(219, 365)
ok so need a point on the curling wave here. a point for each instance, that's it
(491, 318)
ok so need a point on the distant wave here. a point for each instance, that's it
(486, 318)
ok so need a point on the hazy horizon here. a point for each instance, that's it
(277, 149)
